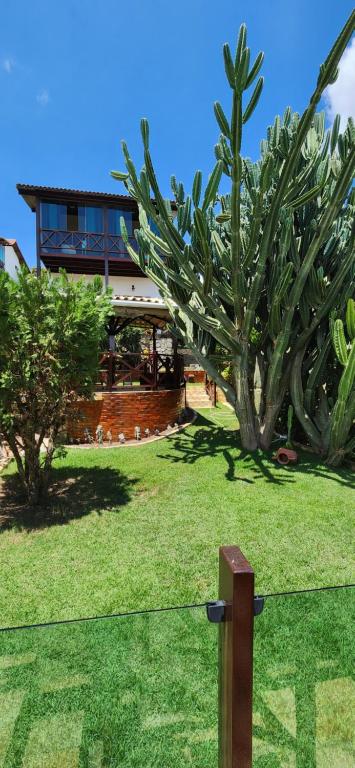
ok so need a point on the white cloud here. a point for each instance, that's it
(340, 97)
(8, 65)
(42, 97)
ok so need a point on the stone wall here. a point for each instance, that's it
(123, 411)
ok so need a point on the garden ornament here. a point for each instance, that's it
(285, 456)
(137, 433)
(88, 438)
(99, 434)
(121, 438)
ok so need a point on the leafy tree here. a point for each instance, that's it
(130, 339)
(50, 330)
(261, 273)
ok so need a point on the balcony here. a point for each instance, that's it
(92, 244)
(85, 239)
(86, 252)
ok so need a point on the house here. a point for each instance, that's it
(80, 232)
(11, 257)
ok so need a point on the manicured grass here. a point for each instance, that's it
(140, 527)
(142, 690)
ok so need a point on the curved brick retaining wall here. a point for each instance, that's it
(123, 411)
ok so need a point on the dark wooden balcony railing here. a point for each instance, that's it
(134, 370)
(62, 242)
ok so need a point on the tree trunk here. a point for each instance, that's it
(244, 407)
(267, 426)
(34, 479)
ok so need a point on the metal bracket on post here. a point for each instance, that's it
(215, 611)
(259, 603)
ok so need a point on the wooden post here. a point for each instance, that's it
(236, 588)
(155, 370)
(110, 372)
(106, 259)
(38, 237)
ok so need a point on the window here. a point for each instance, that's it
(2, 257)
(114, 226)
(71, 218)
(53, 216)
(91, 219)
(153, 226)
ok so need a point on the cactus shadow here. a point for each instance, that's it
(206, 439)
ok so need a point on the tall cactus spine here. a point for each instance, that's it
(255, 272)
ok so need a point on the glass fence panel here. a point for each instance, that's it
(304, 688)
(135, 691)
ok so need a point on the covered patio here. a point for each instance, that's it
(152, 367)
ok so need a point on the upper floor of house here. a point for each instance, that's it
(81, 231)
(11, 258)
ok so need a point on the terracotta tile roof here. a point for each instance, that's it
(141, 299)
(30, 188)
(14, 244)
(29, 192)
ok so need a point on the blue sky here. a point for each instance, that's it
(77, 76)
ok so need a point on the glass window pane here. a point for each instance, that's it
(53, 216)
(114, 216)
(72, 218)
(90, 219)
(153, 226)
(2, 256)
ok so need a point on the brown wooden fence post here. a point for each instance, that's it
(236, 588)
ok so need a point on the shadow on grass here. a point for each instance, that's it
(74, 493)
(209, 440)
(303, 679)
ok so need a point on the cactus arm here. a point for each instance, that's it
(332, 292)
(204, 361)
(343, 413)
(314, 376)
(208, 323)
(326, 74)
(235, 205)
(350, 318)
(296, 390)
(328, 217)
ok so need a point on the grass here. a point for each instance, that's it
(138, 528)
(142, 690)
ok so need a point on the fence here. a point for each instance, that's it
(141, 690)
(149, 371)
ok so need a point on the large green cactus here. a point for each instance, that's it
(324, 398)
(257, 270)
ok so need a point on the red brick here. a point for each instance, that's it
(123, 411)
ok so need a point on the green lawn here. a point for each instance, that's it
(141, 691)
(140, 527)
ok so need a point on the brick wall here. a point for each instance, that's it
(198, 375)
(123, 411)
